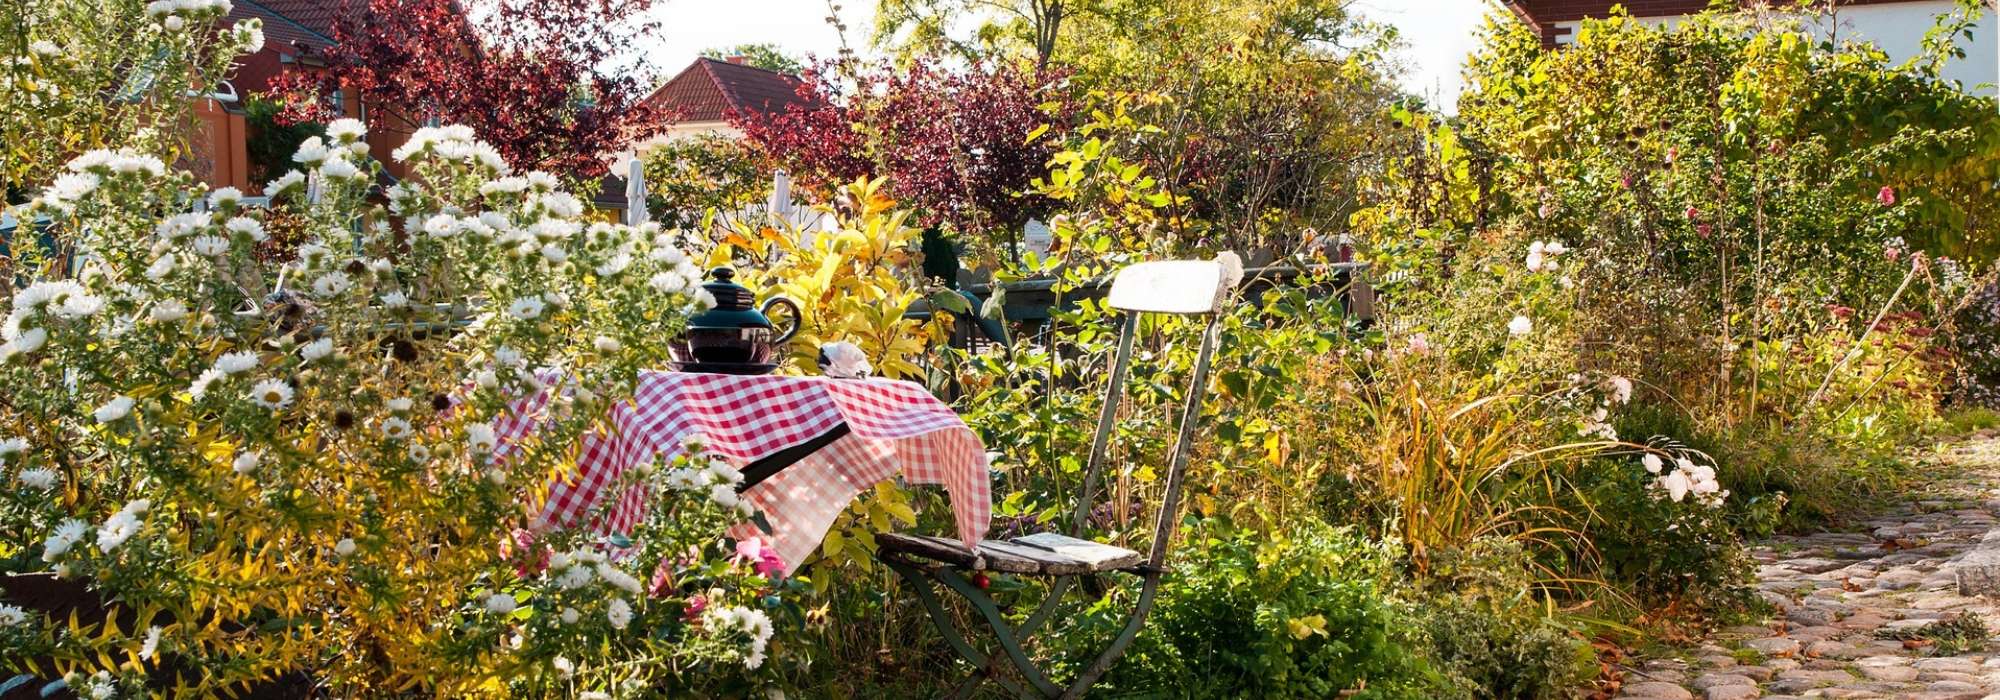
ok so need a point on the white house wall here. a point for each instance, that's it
(1896, 28)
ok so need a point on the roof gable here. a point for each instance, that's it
(709, 89)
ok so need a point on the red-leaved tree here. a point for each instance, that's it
(954, 143)
(531, 76)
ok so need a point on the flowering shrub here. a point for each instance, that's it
(311, 466)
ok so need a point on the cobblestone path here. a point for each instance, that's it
(1868, 613)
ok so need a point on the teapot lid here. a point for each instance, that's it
(735, 304)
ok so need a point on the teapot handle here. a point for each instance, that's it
(798, 317)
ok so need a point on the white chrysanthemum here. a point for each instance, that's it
(618, 578)
(131, 162)
(284, 182)
(210, 246)
(399, 404)
(667, 282)
(574, 577)
(114, 409)
(619, 613)
(332, 284)
(246, 462)
(38, 478)
(11, 616)
(64, 537)
(249, 35)
(168, 310)
(272, 394)
(505, 185)
(225, 197)
(526, 308)
(236, 362)
(339, 169)
(395, 300)
(13, 445)
(441, 226)
(554, 253)
(1520, 326)
(724, 495)
(247, 227)
(501, 603)
(395, 428)
(316, 350)
(479, 438)
(162, 266)
(69, 187)
(151, 647)
(199, 388)
(121, 526)
(346, 130)
(311, 152)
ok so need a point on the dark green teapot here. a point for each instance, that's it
(737, 336)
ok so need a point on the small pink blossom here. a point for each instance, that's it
(761, 556)
(1673, 153)
(1887, 196)
(696, 604)
(1704, 229)
(1419, 345)
(1693, 214)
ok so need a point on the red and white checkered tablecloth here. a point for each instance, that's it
(895, 427)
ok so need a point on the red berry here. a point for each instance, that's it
(980, 580)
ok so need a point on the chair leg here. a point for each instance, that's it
(1002, 632)
(1096, 670)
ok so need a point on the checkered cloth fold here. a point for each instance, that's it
(895, 426)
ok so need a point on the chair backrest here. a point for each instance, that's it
(1185, 287)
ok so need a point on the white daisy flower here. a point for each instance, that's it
(114, 409)
(395, 428)
(346, 130)
(64, 537)
(619, 613)
(247, 227)
(39, 479)
(13, 445)
(420, 454)
(272, 393)
(246, 462)
(225, 197)
(11, 616)
(316, 350)
(480, 439)
(332, 284)
(395, 300)
(526, 308)
(501, 603)
(236, 362)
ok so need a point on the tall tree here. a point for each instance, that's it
(962, 145)
(539, 79)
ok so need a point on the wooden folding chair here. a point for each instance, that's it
(1184, 287)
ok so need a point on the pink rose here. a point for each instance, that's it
(1887, 196)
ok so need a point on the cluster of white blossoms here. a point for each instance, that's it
(716, 477)
(1687, 478)
(122, 525)
(753, 623)
(456, 143)
(1542, 255)
(1611, 390)
(37, 308)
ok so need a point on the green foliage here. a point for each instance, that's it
(1951, 636)
(272, 141)
(1301, 613)
(704, 179)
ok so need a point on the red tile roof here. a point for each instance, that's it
(316, 16)
(709, 89)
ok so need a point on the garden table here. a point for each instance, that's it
(807, 447)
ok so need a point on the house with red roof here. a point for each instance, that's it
(704, 95)
(1897, 27)
(297, 35)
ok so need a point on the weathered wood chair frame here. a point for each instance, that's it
(1196, 288)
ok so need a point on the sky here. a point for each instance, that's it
(1437, 34)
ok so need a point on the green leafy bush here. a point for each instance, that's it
(1296, 614)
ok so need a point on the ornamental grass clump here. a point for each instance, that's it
(326, 462)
